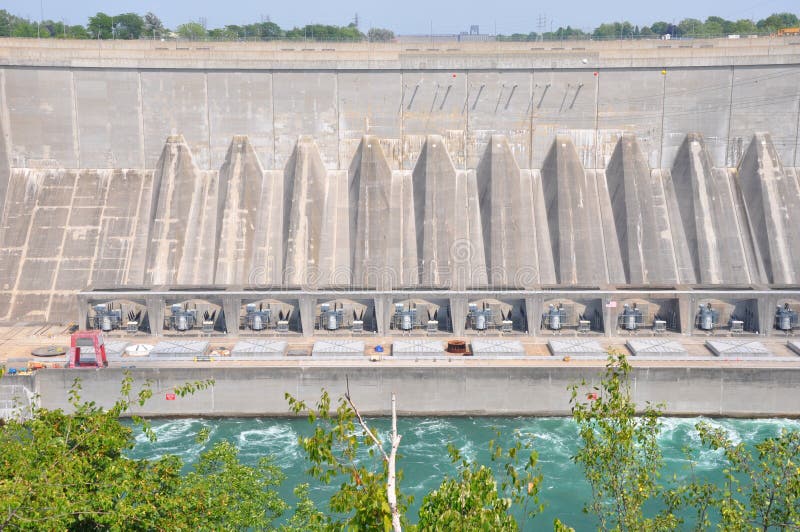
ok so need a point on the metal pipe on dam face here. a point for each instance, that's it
(471, 165)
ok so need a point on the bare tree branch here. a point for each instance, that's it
(363, 423)
(390, 459)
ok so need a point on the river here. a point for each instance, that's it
(424, 457)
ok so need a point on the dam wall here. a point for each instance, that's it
(538, 391)
(78, 104)
(470, 165)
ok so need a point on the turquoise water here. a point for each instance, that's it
(424, 457)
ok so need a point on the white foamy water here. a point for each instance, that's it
(424, 458)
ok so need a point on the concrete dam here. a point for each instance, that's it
(157, 172)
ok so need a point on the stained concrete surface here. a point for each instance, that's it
(737, 348)
(256, 349)
(179, 349)
(338, 349)
(435, 388)
(656, 347)
(794, 345)
(491, 348)
(417, 348)
(579, 347)
(380, 167)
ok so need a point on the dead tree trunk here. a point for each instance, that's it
(391, 492)
(390, 459)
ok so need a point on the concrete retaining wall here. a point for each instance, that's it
(16, 395)
(435, 391)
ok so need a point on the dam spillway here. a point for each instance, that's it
(450, 167)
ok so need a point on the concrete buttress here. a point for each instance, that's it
(305, 191)
(642, 218)
(448, 223)
(575, 204)
(183, 236)
(241, 181)
(721, 250)
(771, 200)
(381, 221)
(515, 256)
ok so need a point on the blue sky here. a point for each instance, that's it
(409, 16)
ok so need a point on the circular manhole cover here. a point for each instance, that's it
(49, 351)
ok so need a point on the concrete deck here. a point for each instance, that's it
(16, 344)
(534, 383)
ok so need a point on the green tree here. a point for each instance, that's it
(152, 25)
(127, 26)
(49, 28)
(361, 502)
(778, 21)
(619, 451)
(60, 30)
(269, 31)
(690, 27)
(564, 33)
(662, 28)
(228, 33)
(474, 501)
(25, 29)
(380, 35)
(68, 471)
(306, 516)
(6, 23)
(761, 490)
(519, 37)
(615, 30)
(10, 25)
(124, 26)
(220, 34)
(604, 31)
(100, 26)
(76, 32)
(743, 27)
(469, 502)
(322, 32)
(263, 31)
(716, 26)
(192, 31)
